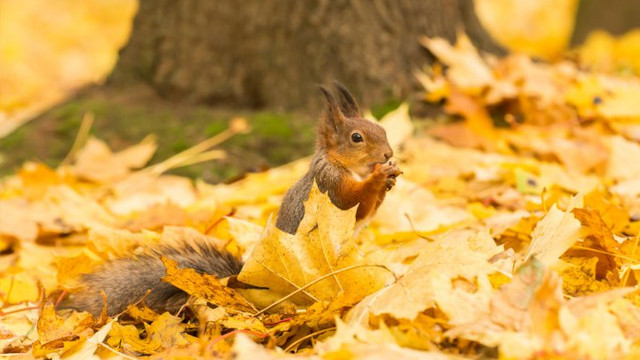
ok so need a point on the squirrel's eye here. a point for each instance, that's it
(356, 137)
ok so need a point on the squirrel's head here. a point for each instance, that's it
(356, 143)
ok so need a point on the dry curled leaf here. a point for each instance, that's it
(57, 334)
(164, 332)
(205, 286)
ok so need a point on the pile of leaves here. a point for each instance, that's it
(512, 233)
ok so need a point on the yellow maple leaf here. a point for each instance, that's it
(508, 321)
(140, 312)
(321, 248)
(88, 349)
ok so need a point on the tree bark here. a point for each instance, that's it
(272, 54)
(614, 16)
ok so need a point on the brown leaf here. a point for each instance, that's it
(205, 286)
(595, 227)
(164, 332)
(57, 334)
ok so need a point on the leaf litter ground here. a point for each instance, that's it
(513, 233)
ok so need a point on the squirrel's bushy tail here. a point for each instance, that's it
(127, 280)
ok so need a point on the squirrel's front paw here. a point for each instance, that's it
(391, 172)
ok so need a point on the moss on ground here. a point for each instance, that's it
(123, 118)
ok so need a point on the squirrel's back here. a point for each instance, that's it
(292, 211)
(289, 217)
(127, 280)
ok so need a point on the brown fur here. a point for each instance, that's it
(338, 158)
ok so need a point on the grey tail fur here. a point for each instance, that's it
(127, 280)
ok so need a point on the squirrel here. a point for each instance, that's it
(350, 164)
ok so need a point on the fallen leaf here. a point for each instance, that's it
(16, 221)
(17, 288)
(205, 286)
(142, 190)
(522, 316)
(243, 322)
(596, 227)
(467, 69)
(410, 207)
(70, 269)
(88, 349)
(622, 163)
(357, 342)
(245, 233)
(450, 273)
(322, 246)
(245, 349)
(156, 216)
(554, 234)
(96, 162)
(164, 332)
(57, 334)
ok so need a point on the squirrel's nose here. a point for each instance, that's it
(388, 154)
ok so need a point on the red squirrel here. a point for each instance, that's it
(350, 164)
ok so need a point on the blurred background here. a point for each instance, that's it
(182, 69)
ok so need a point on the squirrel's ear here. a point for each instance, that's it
(348, 104)
(333, 114)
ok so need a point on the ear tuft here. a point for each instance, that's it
(348, 104)
(333, 115)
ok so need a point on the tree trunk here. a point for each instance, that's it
(272, 54)
(614, 16)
